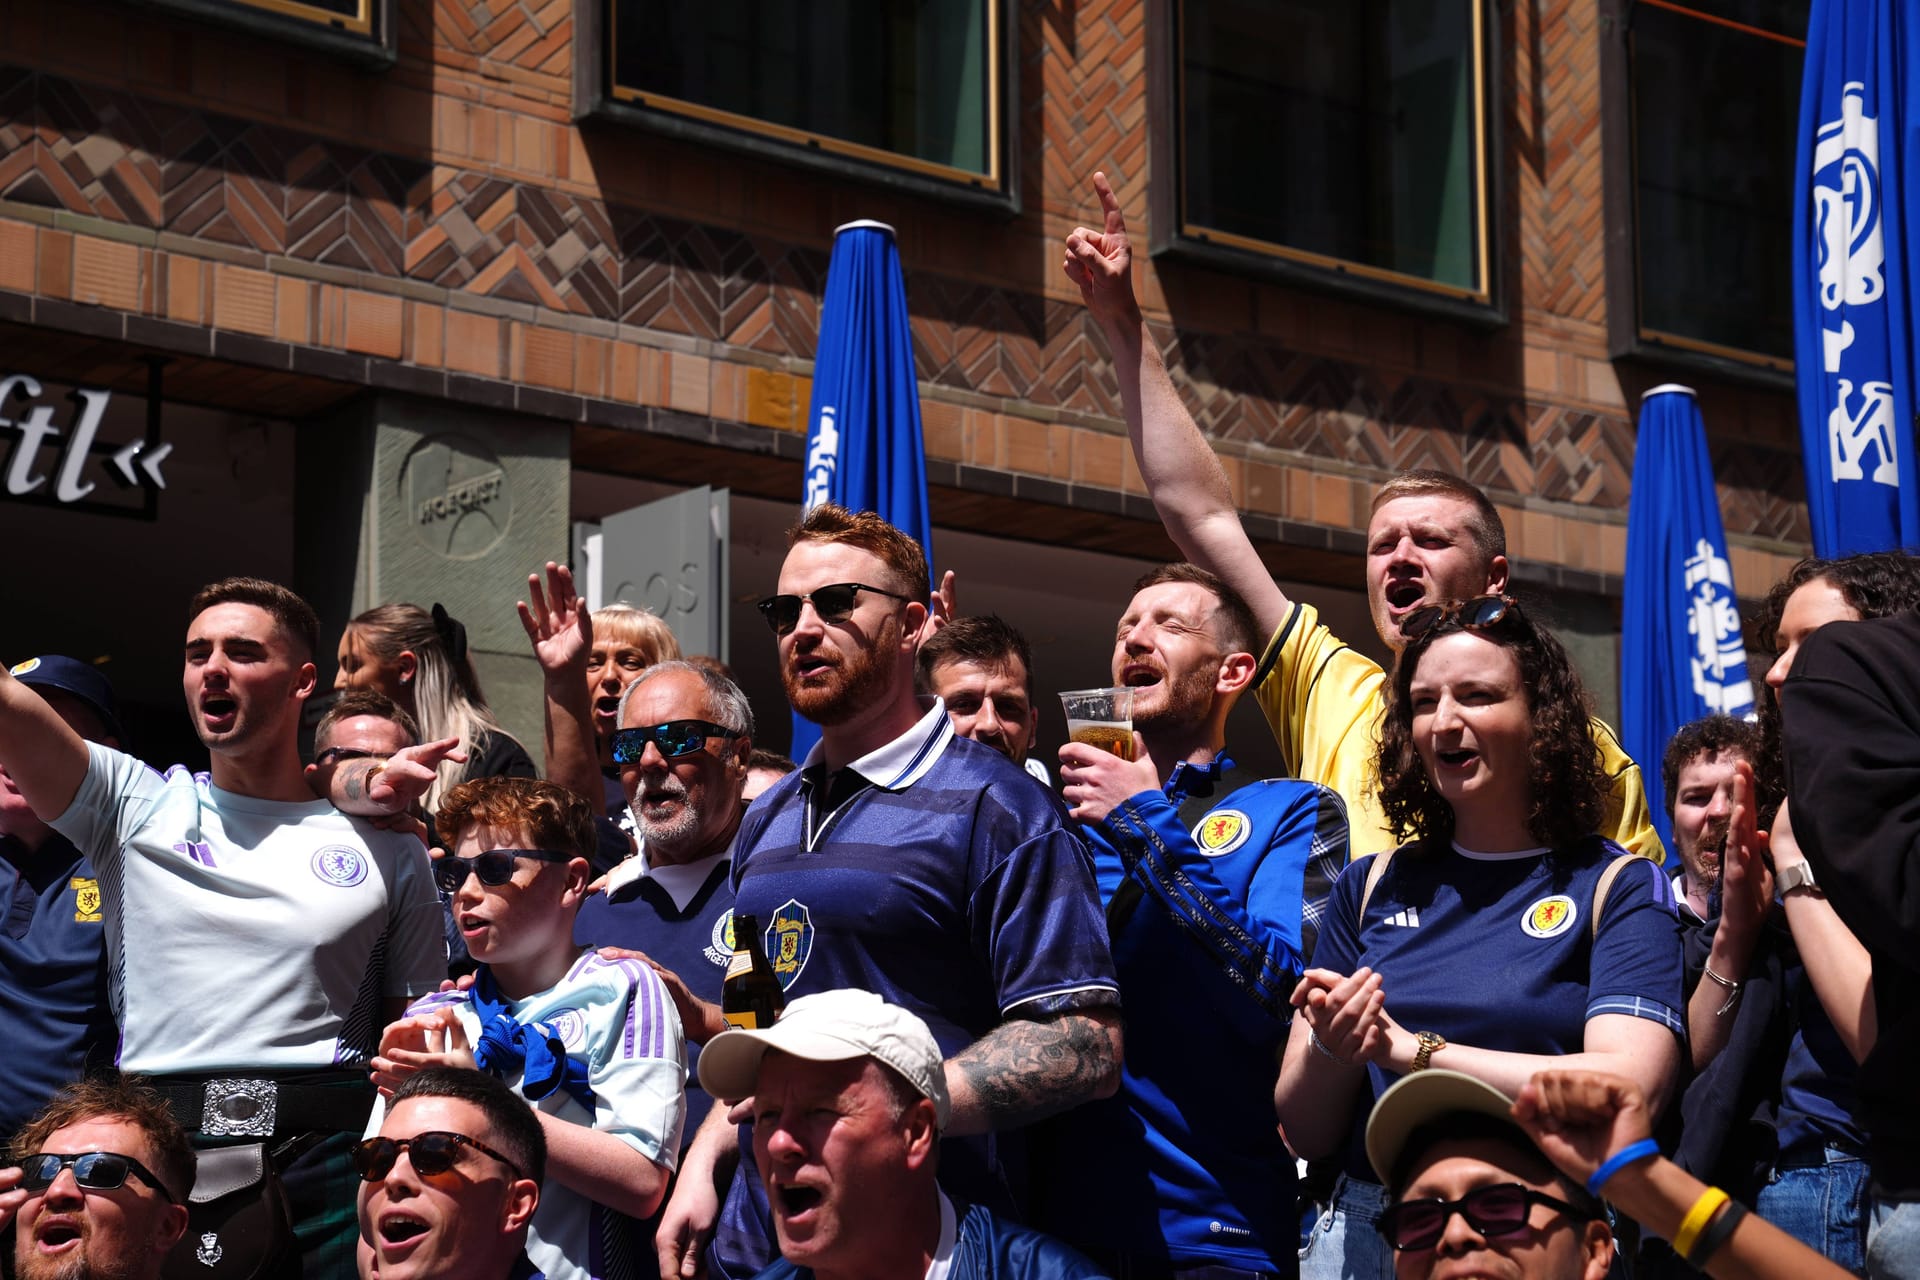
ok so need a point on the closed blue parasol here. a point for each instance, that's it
(864, 445)
(1681, 655)
(1855, 230)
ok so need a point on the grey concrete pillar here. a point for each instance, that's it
(402, 499)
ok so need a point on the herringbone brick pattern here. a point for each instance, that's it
(471, 221)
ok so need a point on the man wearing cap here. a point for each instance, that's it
(850, 1097)
(53, 958)
(1471, 1193)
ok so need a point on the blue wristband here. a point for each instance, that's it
(1619, 1160)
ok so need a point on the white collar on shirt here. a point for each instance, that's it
(905, 760)
(681, 881)
(949, 1236)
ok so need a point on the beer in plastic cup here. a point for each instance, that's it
(1101, 718)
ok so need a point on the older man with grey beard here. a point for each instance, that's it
(684, 740)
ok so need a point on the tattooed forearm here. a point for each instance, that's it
(1022, 1071)
(347, 789)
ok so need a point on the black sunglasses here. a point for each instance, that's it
(431, 1152)
(94, 1170)
(494, 867)
(833, 603)
(334, 755)
(1476, 614)
(674, 738)
(1495, 1211)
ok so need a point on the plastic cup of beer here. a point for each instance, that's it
(1101, 718)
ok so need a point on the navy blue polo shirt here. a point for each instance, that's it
(54, 1014)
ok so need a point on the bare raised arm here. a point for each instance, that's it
(1185, 480)
(46, 760)
(560, 629)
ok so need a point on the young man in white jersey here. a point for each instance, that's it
(593, 1044)
(257, 937)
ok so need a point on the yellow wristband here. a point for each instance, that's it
(1696, 1220)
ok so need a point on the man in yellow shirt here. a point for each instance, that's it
(1433, 537)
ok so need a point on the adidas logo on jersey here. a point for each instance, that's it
(1406, 919)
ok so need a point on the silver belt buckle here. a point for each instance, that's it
(239, 1108)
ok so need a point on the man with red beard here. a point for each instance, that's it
(258, 938)
(98, 1187)
(1212, 883)
(905, 860)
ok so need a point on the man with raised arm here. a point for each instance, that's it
(258, 939)
(1433, 537)
(906, 860)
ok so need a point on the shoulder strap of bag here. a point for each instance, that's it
(1600, 892)
(1374, 872)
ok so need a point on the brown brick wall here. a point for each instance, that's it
(447, 216)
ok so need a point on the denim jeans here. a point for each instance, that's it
(1893, 1246)
(1822, 1202)
(1345, 1243)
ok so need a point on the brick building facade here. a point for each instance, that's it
(301, 235)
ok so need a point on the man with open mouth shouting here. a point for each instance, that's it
(849, 1100)
(98, 1185)
(258, 938)
(450, 1183)
(1433, 537)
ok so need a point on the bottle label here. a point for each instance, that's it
(745, 1020)
(740, 966)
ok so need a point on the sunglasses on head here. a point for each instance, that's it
(431, 1153)
(1494, 1212)
(93, 1170)
(833, 603)
(674, 738)
(1476, 614)
(494, 867)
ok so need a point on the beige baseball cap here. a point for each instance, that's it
(831, 1026)
(1420, 1098)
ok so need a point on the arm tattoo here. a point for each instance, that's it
(353, 779)
(1023, 1070)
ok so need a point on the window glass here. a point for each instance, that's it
(346, 15)
(905, 78)
(1349, 131)
(1716, 109)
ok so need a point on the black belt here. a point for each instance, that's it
(259, 1106)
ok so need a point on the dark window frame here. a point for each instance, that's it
(369, 40)
(597, 98)
(1627, 338)
(1173, 239)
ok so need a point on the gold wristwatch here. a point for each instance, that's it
(1428, 1042)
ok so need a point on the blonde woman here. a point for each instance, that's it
(609, 647)
(418, 658)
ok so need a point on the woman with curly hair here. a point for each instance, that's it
(1502, 938)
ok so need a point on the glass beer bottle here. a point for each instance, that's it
(751, 997)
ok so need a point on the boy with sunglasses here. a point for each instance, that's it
(593, 1044)
(99, 1184)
